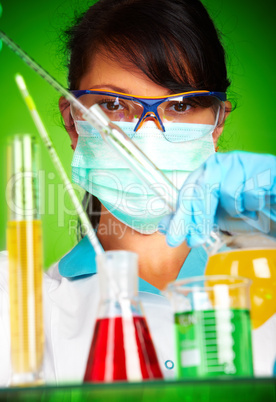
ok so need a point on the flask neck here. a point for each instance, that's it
(226, 242)
(126, 308)
(118, 275)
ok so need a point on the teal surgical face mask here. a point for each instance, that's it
(101, 172)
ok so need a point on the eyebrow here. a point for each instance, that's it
(121, 90)
(110, 86)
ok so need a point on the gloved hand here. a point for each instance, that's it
(235, 191)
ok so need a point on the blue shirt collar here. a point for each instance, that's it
(81, 261)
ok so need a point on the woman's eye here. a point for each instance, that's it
(110, 105)
(180, 107)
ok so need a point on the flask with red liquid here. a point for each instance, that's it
(121, 348)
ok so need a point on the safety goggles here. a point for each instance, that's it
(198, 107)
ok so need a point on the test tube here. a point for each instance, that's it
(24, 244)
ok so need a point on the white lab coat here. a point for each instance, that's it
(70, 308)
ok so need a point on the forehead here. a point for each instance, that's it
(106, 73)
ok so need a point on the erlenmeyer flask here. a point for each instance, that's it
(251, 255)
(121, 348)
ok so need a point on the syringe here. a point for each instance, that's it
(114, 136)
(111, 133)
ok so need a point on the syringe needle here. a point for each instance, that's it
(57, 163)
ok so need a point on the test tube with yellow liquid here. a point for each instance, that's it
(24, 243)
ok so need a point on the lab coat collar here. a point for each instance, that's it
(80, 262)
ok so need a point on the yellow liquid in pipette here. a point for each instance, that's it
(258, 265)
(24, 240)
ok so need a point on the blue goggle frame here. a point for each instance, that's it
(150, 104)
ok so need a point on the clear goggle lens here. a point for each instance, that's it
(205, 110)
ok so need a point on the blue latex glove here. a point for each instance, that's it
(235, 191)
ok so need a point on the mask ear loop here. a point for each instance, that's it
(71, 112)
(73, 119)
(221, 108)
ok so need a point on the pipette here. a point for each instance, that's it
(111, 133)
(57, 163)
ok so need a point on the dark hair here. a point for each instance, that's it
(173, 42)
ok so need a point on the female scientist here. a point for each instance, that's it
(157, 69)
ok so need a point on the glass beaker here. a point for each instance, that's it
(121, 348)
(251, 255)
(212, 326)
(24, 244)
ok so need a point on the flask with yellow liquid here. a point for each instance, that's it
(24, 244)
(251, 255)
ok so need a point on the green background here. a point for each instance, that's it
(249, 32)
